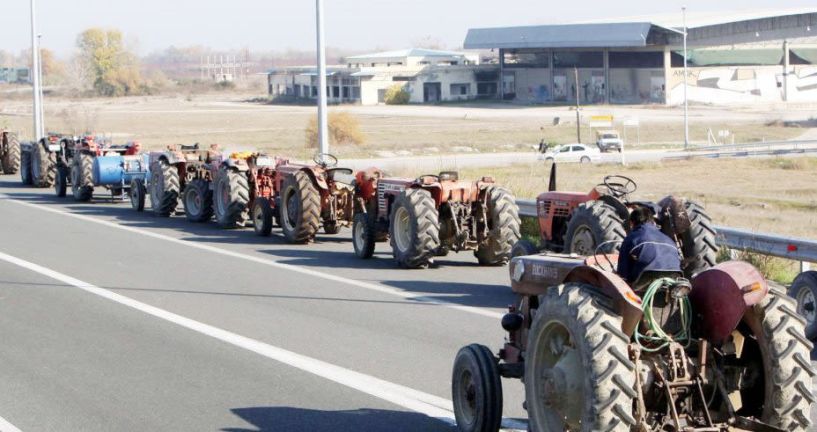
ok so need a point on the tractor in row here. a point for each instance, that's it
(432, 215)
(589, 223)
(38, 161)
(722, 351)
(78, 165)
(9, 152)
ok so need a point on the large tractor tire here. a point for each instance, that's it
(476, 390)
(231, 198)
(578, 374)
(592, 224)
(43, 167)
(804, 291)
(503, 228)
(363, 235)
(700, 245)
(82, 177)
(787, 396)
(300, 208)
(25, 169)
(11, 160)
(198, 201)
(414, 229)
(164, 188)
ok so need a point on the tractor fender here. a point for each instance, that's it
(722, 295)
(621, 209)
(239, 165)
(625, 301)
(318, 180)
(435, 189)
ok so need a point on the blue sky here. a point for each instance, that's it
(283, 24)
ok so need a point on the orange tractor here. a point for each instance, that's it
(590, 223)
(431, 215)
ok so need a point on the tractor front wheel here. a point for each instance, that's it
(804, 291)
(61, 182)
(82, 177)
(594, 225)
(231, 198)
(476, 390)
(164, 188)
(198, 201)
(578, 375)
(262, 217)
(300, 208)
(11, 160)
(414, 229)
(25, 169)
(137, 195)
(363, 235)
(503, 228)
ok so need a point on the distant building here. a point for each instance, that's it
(429, 76)
(732, 58)
(10, 75)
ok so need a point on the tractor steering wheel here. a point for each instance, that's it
(619, 185)
(325, 160)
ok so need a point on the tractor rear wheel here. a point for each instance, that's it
(524, 248)
(592, 224)
(779, 332)
(414, 229)
(164, 188)
(198, 201)
(82, 177)
(137, 195)
(578, 374)
(61, 182)
(363, 235)
(503, 228)
(804, 291)
(231, 198)
(25, 169)
(43, 166)
(476, 390)
(262, 217)
(331, 228)
(700, 247)
(300, 208)
(11, 161)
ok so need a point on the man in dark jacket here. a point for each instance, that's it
(646, 250)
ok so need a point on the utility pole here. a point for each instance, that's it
(40, 74)
(323, 131)
(686, 101)
(35, 78)
(578, 114)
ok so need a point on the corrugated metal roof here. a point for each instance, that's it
(411, 52)
(633, 34)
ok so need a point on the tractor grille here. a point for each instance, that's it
(561, 211)
(544, 207)
(381, 196)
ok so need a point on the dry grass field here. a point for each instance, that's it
(225, 119)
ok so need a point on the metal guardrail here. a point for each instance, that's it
(742, 153)
(740, 146)
(804, 251)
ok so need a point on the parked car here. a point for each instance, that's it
(572, 153)
(608, 140)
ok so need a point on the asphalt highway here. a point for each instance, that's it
(116, 320)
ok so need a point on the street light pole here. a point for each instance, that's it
(35, 78)
(323, 138)
(686, 101)
(40, 75)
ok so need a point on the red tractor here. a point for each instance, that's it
(724, 351)
(9, 152)
(431, 215)
(307, 197)
(595, 222)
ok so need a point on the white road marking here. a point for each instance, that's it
(414, 400)
(267, 262)
(5, 426)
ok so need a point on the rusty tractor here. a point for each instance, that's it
(38, 161)
(77, 166)
(307, 197)
(174, 173)
(721, 352)
(589, 223)
(432, 215)
(9, 152)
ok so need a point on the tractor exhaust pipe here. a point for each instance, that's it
(552, 184)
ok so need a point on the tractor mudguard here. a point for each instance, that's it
(239, 165)
(621, 209)
(722, 295)
(626, 302)
(318, 180)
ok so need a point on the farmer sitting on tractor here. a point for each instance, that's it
(646, 252)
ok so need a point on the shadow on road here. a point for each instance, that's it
(287, 419)
(466, 294)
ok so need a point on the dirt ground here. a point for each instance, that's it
(226, 118)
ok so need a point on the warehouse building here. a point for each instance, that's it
(731, 58)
